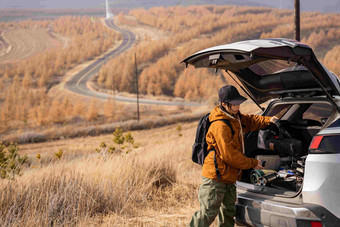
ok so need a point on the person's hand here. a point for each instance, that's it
(274, 119)
(259, 165)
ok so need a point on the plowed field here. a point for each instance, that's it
(18, 44)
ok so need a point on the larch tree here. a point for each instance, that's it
(43, 80)
(6, 74)
(92, 112)
(56, 112)
(128, 76)
(42, 114)
(109, 108)
(79, 109)
(27, 80)
(67, 107)
(332, 60)
(3, 120)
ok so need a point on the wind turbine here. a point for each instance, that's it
(108, 14)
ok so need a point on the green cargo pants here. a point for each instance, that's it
(215, 199)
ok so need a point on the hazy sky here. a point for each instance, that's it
(306, 5)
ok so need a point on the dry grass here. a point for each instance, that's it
(72, 131)
(154, 185)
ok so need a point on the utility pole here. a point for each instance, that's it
(138, 116)
(297, 20)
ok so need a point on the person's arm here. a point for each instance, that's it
(255, 122)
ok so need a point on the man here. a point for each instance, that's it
(223, 166)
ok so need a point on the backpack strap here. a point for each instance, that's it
(215, 160)
(216, 166)
(229, 124)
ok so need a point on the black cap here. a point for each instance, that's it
(229, 94)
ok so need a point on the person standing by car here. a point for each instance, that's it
(223, 166)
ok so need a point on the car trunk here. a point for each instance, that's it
(283, 173)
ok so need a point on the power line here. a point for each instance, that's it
(172, 12)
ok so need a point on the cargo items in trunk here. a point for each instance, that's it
(280, 141)
(282, 179)
(282, 171)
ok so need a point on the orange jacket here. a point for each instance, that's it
(229, 149)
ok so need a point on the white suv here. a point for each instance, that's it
(300, 188)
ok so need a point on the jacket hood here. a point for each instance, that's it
(217, 113)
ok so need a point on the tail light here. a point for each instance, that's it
(325, 144)
(315, 224)
(308, 223)
(316, 142)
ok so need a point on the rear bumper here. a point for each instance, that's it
(260, 212)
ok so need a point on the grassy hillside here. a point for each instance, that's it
(149, 180)
(152, 183)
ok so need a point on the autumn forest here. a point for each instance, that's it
(25, 85)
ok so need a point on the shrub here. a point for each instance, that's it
(129, 138)
(112, 149)
(179, 129)
(102, 145)
(59, 154)
(118, 137)
(10, 161)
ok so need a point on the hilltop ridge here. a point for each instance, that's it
(306, 5)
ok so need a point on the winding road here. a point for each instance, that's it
(78, 83)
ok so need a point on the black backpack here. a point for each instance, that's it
(199, 148)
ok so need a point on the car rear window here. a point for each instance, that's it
(335, 124)
(269, 67)
(318, 112)
(278, 110)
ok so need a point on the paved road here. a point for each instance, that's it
(78, 83)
